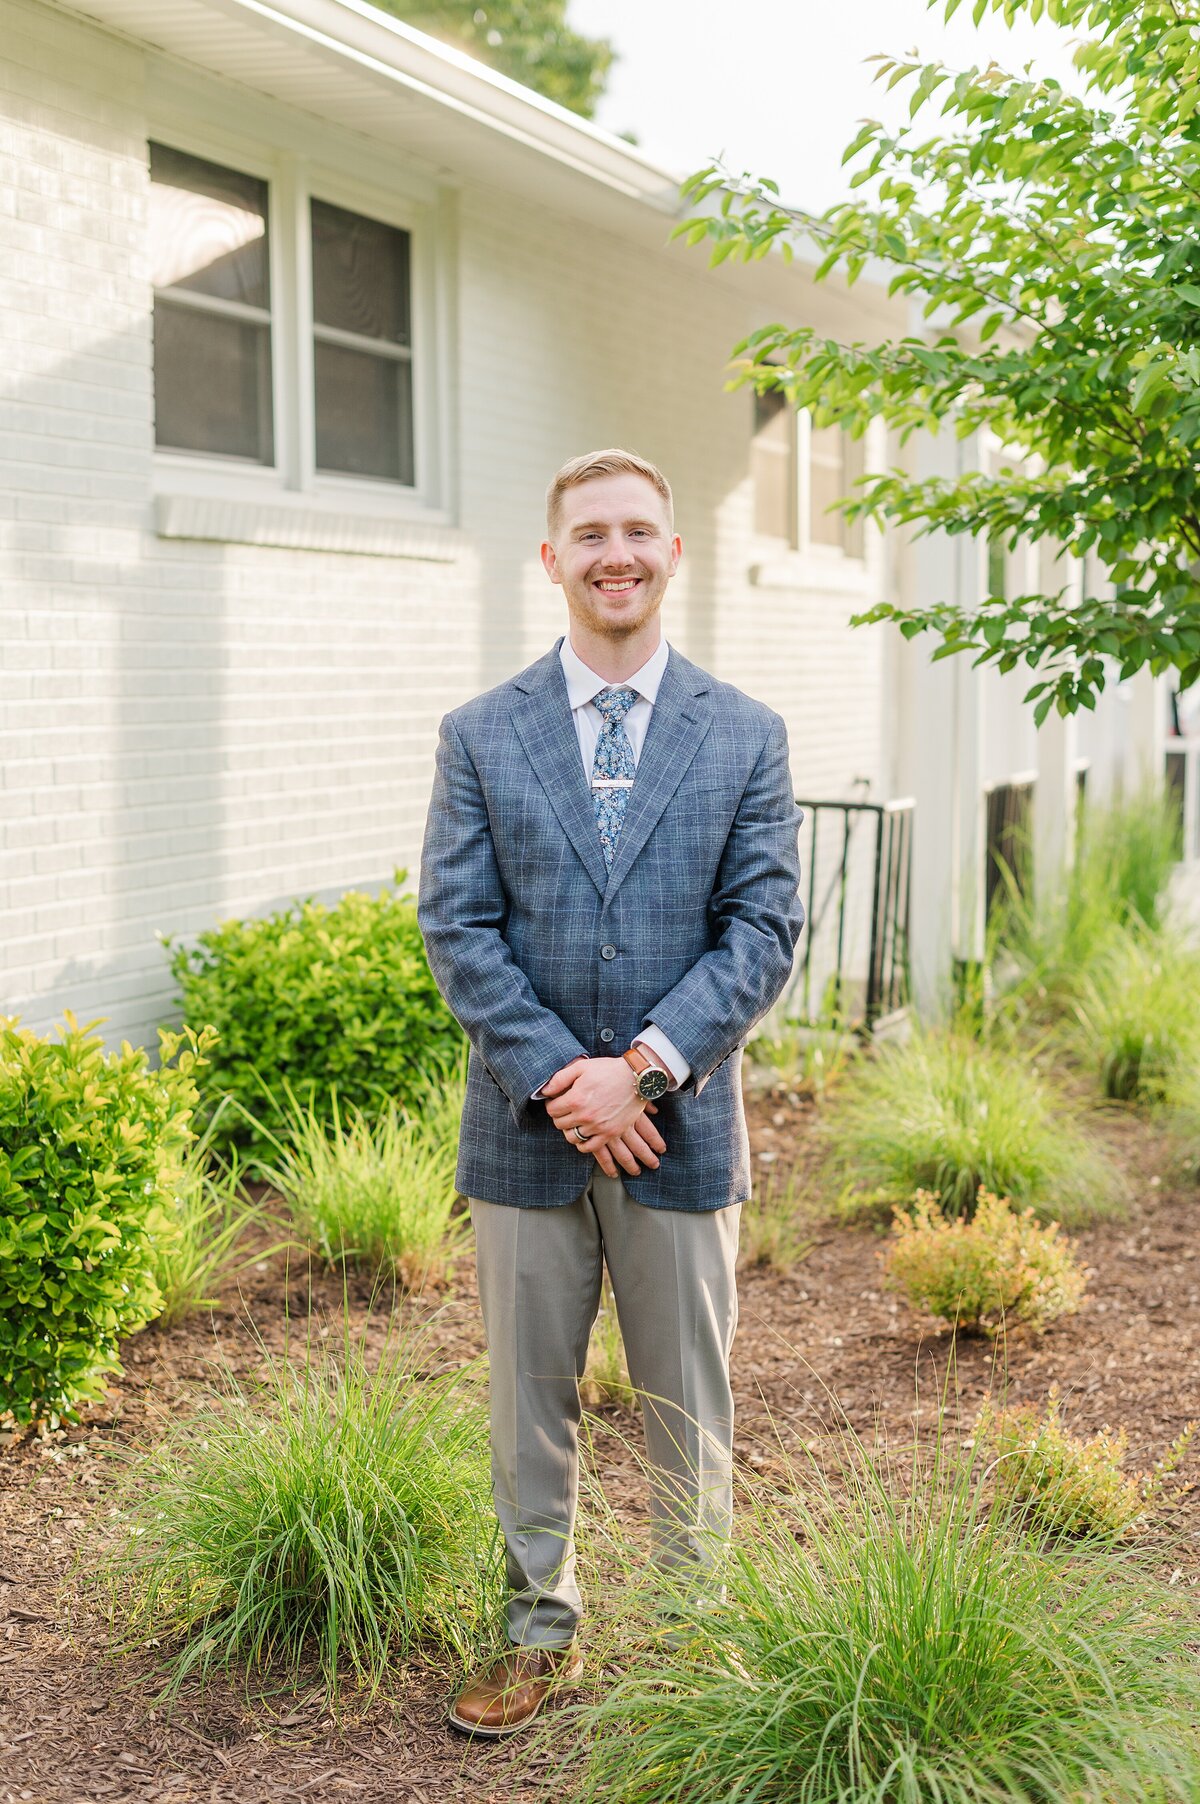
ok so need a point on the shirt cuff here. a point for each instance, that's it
(536, 1095)
(664, 1052)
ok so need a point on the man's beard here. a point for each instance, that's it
(625, 625)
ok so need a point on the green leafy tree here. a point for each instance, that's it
(528, 40)
(1053, 242)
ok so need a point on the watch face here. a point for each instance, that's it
(652, 1084)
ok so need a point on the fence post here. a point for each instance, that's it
(946, 750)
(1057, 794)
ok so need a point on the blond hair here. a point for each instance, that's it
(592, 464)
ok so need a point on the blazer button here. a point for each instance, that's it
(606, 1034)
(608, 952)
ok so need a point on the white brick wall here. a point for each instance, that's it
(191, 730)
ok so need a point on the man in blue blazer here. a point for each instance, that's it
(609, 898)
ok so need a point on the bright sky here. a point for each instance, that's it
(779, 85)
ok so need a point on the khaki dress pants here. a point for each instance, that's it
(672, 1275)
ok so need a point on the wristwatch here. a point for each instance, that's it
(652, 1080)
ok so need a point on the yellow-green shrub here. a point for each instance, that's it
(1000, 1267)
(1072, 1485)
(90, 1150)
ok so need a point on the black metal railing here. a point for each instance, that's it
(853, 963)
(1008, 866)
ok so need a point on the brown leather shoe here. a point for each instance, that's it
(508, 1694)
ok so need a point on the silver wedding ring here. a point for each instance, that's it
(580, 1137)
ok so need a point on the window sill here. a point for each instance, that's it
(805, 571)
(306, 523)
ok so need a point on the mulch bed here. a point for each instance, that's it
(823, 1345)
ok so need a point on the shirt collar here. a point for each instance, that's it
(583, 684)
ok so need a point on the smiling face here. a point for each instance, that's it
(614, 552)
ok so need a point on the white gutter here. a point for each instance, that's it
(385, 46)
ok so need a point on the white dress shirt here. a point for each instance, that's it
(583, 685)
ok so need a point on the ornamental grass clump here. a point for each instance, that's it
(1071, 1484)
(807, 1060)
(1182, 1120)
(377, 1194)
(999, 1269)
(334, 1515)
(207, 1239)
(773, 1226)
(92, 1145)
(950, 1114)
(889, 1636)
(1139, 1014)
(1118, 882)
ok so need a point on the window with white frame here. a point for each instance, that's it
(773, 466)
(210, 259)
(835, 462)
(797, 472)
(213, 322)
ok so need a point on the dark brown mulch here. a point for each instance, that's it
(823, 1344)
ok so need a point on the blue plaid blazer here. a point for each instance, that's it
(542, 954)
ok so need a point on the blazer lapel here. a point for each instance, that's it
(545, 728)
(681, 718)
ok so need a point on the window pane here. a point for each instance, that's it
(208, 228)
(997, 570)
(212, 383)
(826, 482)
(772, 465)
(364, 413)
(854, 464)
(360, 274)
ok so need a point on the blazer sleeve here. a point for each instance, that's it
(462, 908)
(758, 915)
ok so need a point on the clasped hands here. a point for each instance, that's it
(599, 1097)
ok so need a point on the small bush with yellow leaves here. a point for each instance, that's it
(1070, 1485)
(999, 1268)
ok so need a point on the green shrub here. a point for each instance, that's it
(890, 1638)
(1070, 1485)
(331, 1513)
(999, 1268)
(320, 999)
(91, 1144)
(1139, 1013)
(377, 1194)
(953, 1115)
(207, 1218)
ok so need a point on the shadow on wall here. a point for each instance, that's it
(171, 755)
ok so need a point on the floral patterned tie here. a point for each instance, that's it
(612, 768)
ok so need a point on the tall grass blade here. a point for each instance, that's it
(378, 1194)
(336, 1513)
(890, 1634)
(953, 1115)
(210, 1217)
